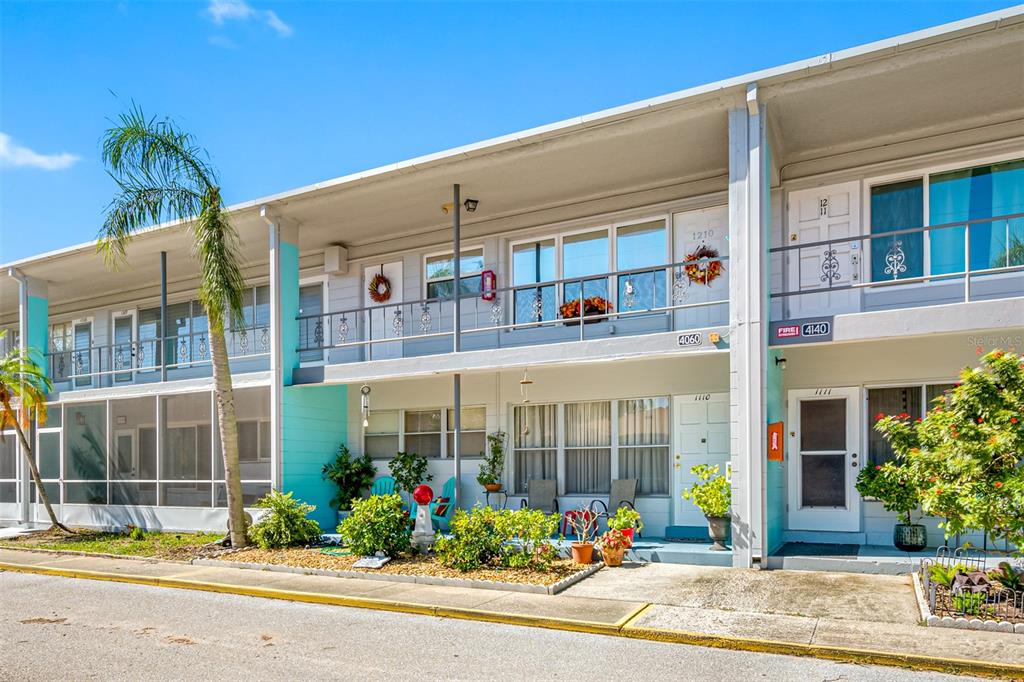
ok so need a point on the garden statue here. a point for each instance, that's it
(423, 533)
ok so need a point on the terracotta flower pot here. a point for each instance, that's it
(492, 487)
(628, 532)
(582, 552)
(613, 557)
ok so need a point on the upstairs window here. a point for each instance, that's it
(440, 273)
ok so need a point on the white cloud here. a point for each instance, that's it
(221, 11)
(15, 156)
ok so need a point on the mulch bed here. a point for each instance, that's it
(411, 565)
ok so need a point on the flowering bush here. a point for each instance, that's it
(595, 305)
(966, 455)
(613, 540)
(894, 485)
(489, 537)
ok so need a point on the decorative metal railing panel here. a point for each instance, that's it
(612, 297)
(963, 583)
(958, 253)
(122, 362)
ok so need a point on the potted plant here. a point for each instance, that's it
(352, 476)
(584, 525)
(896, 488)
(493, 463)
(593, 305)
(409, 470)
(628, 521)
(613, 545)
(712, 494)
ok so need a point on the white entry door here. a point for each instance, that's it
(381, 320)
(826, 458)
(701, 437)
(691, 230)
(817, 215)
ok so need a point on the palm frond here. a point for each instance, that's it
(216, 248)
(23, 381)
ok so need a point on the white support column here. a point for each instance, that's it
(747, 326)
(284, 282)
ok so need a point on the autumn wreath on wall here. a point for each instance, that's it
(379, 288)
(706, 271)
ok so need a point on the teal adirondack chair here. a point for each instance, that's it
(448, 491)
(385, 485)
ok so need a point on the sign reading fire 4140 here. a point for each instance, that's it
(801, 331)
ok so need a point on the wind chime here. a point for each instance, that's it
(364, 404)
(524, 390)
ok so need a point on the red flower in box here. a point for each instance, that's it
(595, 305)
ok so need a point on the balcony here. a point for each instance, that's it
(961, 262)
(186, 356)
(662, 298)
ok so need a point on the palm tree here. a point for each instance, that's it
(162, 174)
(24, 381)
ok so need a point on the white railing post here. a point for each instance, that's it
(967, 263)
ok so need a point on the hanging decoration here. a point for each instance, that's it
(380, 287)
(364, 404)
(706, 271)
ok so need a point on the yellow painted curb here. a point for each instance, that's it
(621, 628)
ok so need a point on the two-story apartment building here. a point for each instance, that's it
(809, 244)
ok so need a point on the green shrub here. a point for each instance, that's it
(493, 459)
(712, 493)
(409, 470)
(377, 524)
(352, 476)
(286, 525)
(894, 485)
(486, 537)
(136, 533)
(969, 603)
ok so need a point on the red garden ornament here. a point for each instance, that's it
(379, 288)
(707, 271)
(423, 494)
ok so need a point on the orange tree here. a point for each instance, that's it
(967, 454)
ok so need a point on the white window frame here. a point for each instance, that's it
(921, 172)
(445, 430)
(869, 418)
(467, 249)
(560, 447)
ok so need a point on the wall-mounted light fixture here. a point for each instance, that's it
(364, 404)
(471, 205)
(780, 362)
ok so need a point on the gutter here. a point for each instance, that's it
(22, 280)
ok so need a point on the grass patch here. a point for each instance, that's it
(151, 544)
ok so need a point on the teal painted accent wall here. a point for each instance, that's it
(38, 329)
(314, 422)
(775, 399)
(289, 269)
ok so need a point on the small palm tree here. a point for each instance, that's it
(24, 381)
(162, 174)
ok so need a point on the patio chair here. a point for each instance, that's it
(622, 494)
(385, 485)
(442, 509)
(542, 494)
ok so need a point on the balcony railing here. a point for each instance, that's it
(124, 362)
(980, 259)
(639, 301)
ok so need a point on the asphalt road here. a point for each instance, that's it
(65, 629)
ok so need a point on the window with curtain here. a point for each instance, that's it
(474, 431)
(532, 263)
(380, 437)
(914, 400)
(588, 447)
(440, 273)
(897, 206)
(535, 451)
(583, 255)
(423, 432)
(644, 452)
(972, 194)
(639, 246)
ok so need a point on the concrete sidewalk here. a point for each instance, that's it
(756, 611)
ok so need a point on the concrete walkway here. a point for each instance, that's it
(867, 619)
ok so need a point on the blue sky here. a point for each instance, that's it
(283, 94)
